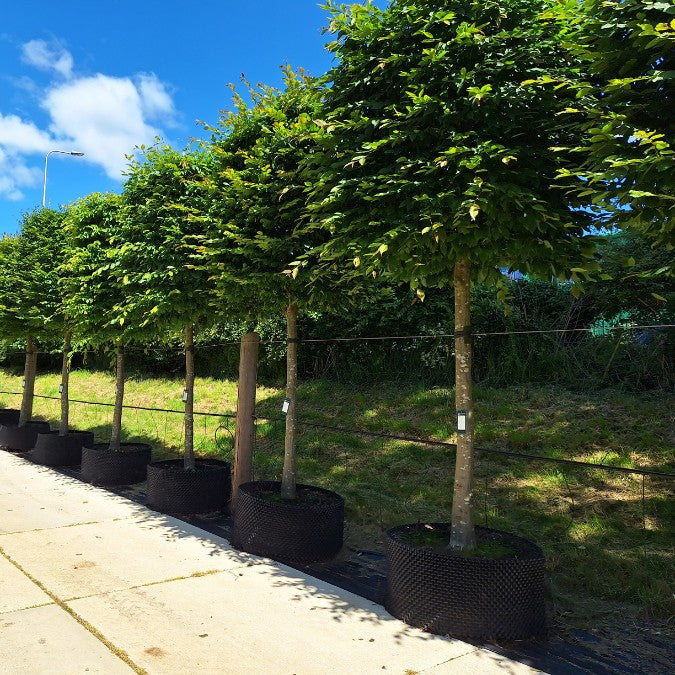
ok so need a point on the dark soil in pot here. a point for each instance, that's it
(173, 489)
(103, 466)
(54, 450)
(21, 439)
(307, 529)
(496, 594)
(9, 416)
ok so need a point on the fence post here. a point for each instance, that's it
(245, 427)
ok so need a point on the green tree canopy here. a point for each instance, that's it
(258, 196)
(91, 273)
(8, 257)
(30, 303)
(624, 164)
(160, 250)
(436, 152)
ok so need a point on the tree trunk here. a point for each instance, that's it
(26, 414)
(65, 377)
(189, 456)
(288, 475)
(463, 536)
(245, 428)
(116, 431)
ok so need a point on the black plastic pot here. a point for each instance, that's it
(172, 489)
(102, 466)
(54, 450)
(21, 439)
(9, 416)
(309, 529)
(468, 597)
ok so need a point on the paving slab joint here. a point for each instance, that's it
(149, 583)
(121, 654)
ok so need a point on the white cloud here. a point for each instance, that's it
(104, 117)
(155, 99)
(22, 137)
(48, 56)
(15, 174)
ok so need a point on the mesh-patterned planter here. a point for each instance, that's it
(21, 439)
(307, 530)
(469, 597)
(172, 489)
(102, 466)
(9, 416)
(54, 450)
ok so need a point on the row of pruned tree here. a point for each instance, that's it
(449, 142)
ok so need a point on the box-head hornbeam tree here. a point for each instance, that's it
(91, 280)
(167, 287)
(259, 206)
(438, 168)
(30, 303)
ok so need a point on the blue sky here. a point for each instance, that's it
(103, 77)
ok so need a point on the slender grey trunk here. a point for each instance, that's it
(65, 377)
(189, 456)
(288, 476)
(463, 535)
(116, 431)
(26, 413)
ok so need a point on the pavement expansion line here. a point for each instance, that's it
(194, 575)
(121, 654)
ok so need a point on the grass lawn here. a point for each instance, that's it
(609, 553)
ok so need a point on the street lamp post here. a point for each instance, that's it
(61, 152)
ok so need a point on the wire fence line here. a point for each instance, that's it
(592, 330)
(377, 434)
(386, 484)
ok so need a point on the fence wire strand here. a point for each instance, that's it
(377, 434)
(381, 338)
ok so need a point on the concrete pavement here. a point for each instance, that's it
(92, 582)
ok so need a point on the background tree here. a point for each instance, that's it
(93, 298)
(259, 204)
(633, 290)
(438, 168)
(167, 287)
(30, 305)
(624, 164)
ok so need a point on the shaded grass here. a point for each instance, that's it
(603, 543)
(607, 549)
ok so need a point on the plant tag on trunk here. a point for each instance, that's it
(60, 389)
(23, 384)
(285, 406)
(462, 421)
(185, 395)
